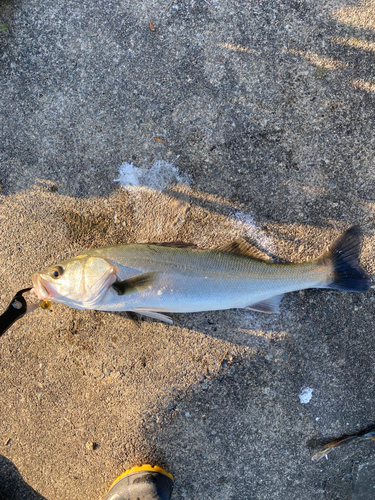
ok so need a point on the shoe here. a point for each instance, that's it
(142, 483)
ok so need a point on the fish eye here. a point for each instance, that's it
(57, 272)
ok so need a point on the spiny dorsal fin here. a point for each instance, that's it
(174, 244)
(137, 284)
(242, 247)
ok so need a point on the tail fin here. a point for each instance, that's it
(343, 254)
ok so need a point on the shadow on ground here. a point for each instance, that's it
(279, 102)
(12, 485)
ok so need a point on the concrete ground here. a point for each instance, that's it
(229, 118)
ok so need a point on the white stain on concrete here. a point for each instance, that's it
(157, 177)
(160, 196)
(248, 225)
(305, 395)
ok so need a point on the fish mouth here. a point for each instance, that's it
(40, 289)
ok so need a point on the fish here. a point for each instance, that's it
(176, 277)
(327, 448)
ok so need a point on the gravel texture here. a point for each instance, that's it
(266, 112)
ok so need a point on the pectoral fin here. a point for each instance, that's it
(137, 284)
(269, 306)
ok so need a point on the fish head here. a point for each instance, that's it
(80, 282)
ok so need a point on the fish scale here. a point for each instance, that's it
(152, 278)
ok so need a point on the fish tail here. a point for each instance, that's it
(343, 259)
(327, 448)
(341, 442)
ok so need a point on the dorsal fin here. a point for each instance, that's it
(242, 247)
(174, 244)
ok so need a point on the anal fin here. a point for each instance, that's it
(268, 306)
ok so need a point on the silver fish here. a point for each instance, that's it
(153, 279)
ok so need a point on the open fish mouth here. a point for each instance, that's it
(40, 289)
